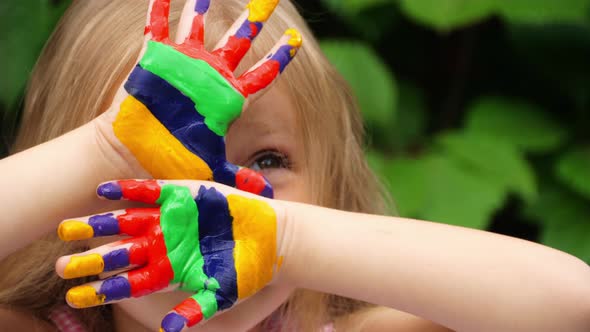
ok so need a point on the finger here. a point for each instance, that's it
(133, 222)
(238, 39)
(268, 69)
(144, 191)
(136, 283)
(190, 312)
(111, 257)
(191, 29)
(157, 27)
(243, 179)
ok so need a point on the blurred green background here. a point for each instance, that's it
(477, 111)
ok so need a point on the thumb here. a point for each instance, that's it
(190, 312)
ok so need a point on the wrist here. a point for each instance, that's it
(113, 159)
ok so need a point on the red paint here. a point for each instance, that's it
(139, 251)
(137, 221)
(191, 310)
(250, 181)
(158, 273)
(197, 36)
(233, 52)
(147, 191)
(159, 20)
(254, 29)
(259, 78)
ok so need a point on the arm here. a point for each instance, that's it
(78, 157)
(464, 279)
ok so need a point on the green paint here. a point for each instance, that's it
(215, 98)
(207, 301)
(180, 226)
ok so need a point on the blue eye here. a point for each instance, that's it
(270, 160)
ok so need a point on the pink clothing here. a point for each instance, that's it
(65, 320)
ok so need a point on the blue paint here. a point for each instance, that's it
(178, 114)
(115, 288)
(173, 322)
(246, 31)
(283, 56)
(202, 6)
(217, 244)
(116, 260)
(110, 191)
(267, 191)
(104, 225)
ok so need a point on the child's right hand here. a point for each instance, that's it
(171, 115)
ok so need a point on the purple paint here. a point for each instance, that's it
(110, 191)
(283, 56)
(173, 322)
(104, 225)
(115, 260)
(202, 6)
(249, 30)
(115, 288)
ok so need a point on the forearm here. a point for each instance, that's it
(50, 182)
(464, 279)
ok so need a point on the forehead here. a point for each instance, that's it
(273, 112)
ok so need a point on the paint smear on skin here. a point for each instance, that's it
(158, 151)
(196, 78)
(84, 296)
(81, 266)
(255, 229)
(72, 230)
(260, 10)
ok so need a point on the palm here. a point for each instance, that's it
(182, 98)
(221, 249)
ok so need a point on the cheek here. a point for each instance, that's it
(292, 188)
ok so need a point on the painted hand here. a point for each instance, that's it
(181, 99)
(220, 248)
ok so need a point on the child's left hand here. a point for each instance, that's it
(222, 248)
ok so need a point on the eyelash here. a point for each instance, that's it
(284, 162)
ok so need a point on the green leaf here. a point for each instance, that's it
(566, 220)
(406, 179)
(410, 122)
(573, 169)
(369, 78)
(544, 11)
(352, 7)
(492, 159)
(459, 197)
(516, 122)
(24, 28)
(445, 15)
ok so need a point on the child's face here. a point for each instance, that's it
(265, 138)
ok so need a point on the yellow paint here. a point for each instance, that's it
(295, 39)
(260, 10)
(82, 266)
(280, 262)
(255, 253)
(84, 296)
(161, 330)
(72, 230)
(156, 149)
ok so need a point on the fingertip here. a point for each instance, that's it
(261, 10)
(173, 322)
(84, 296)
(110, 190)
(72, 230)
(295, 38)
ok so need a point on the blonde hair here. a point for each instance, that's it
(92, 49)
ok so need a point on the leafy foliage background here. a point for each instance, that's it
(477, 111)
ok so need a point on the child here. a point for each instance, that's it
(304, 136)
